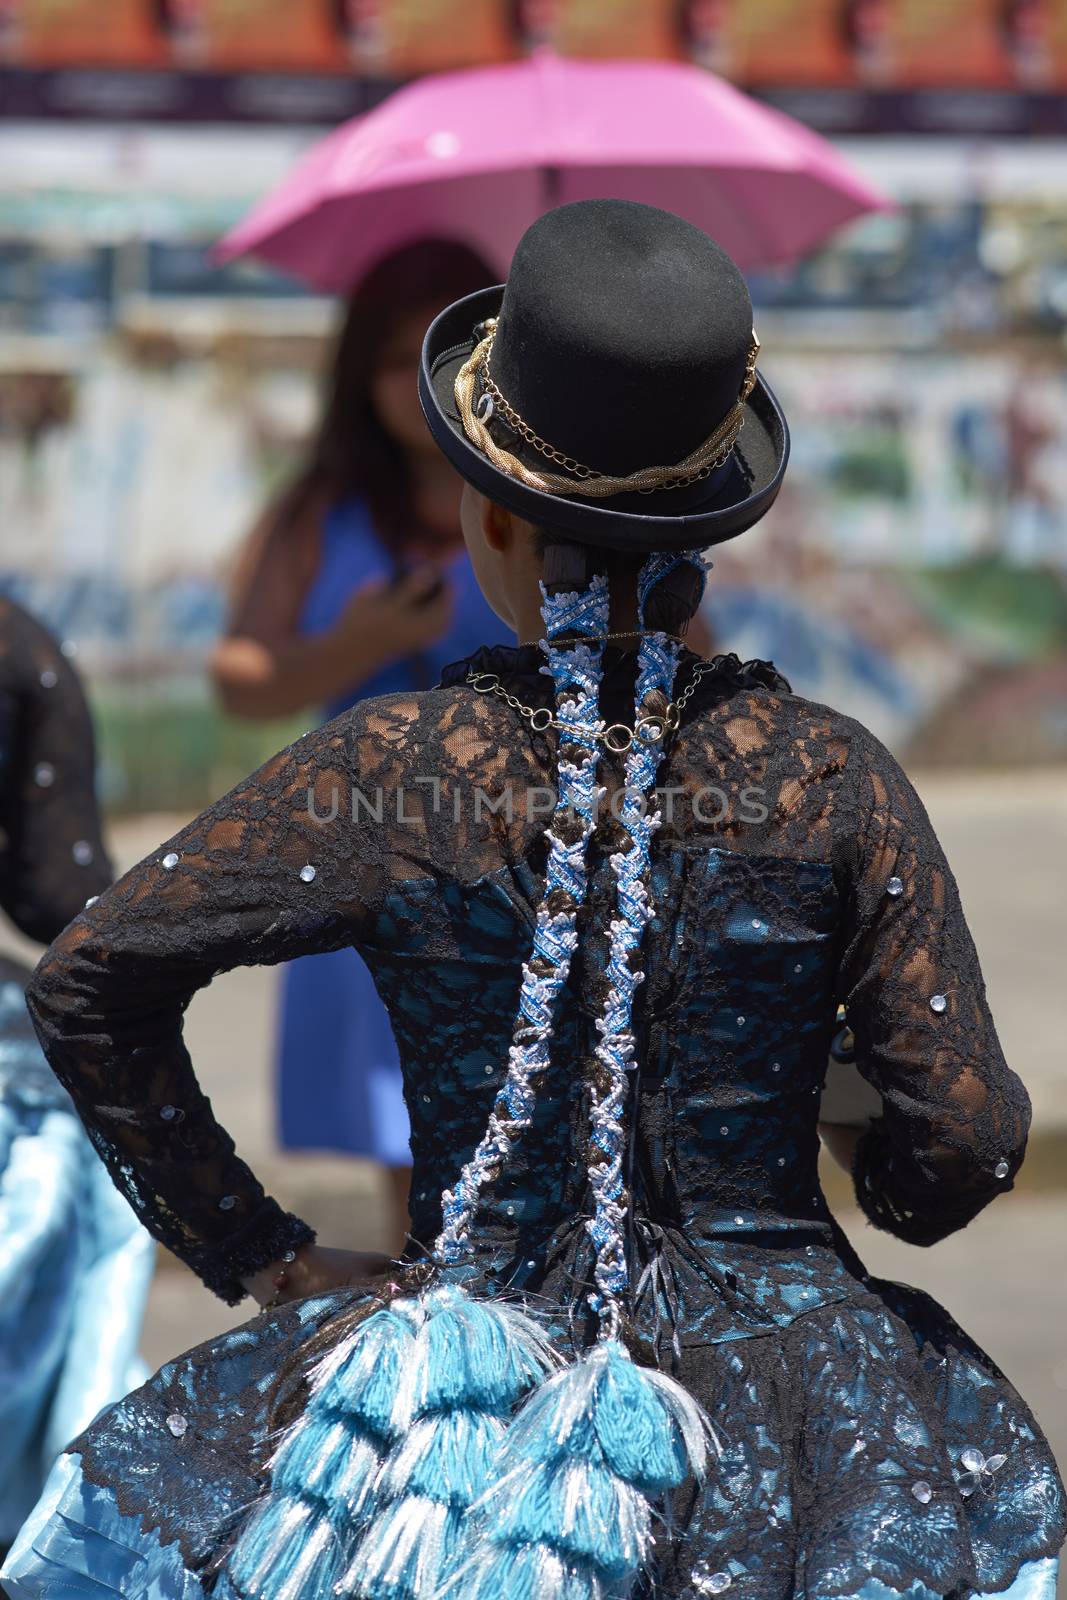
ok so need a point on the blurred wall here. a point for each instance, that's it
(914, 571)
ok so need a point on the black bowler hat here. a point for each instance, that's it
(609, 389)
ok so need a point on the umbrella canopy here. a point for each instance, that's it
(479, 155)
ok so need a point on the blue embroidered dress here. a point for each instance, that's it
(339, 1080)
(869, 1448)
(74, 1261)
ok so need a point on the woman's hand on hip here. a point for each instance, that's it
(315, 1269)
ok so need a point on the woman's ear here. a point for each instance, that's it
(499, 527)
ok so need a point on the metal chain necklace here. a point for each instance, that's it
(619, 737)
(597, 638)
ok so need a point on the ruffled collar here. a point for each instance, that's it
(518, 666)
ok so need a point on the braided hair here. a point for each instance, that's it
(567, 1508)
(397, 1477)
(669, 590)
(575, 588)
(575, 672)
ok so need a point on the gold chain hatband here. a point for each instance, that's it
(700, 463)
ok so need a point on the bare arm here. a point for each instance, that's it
(841, 1141)
(263, 667)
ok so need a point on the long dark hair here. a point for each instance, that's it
(350, 452)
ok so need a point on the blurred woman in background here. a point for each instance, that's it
(355, 582)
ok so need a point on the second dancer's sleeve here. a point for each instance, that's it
(955, 1118)
(53, 858)
(274, 870)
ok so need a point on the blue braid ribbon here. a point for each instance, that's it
(638, 814)
(575, 671)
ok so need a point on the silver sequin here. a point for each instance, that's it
(307, 874)
(44, 775)
(227, 1202)
(82, 851)
(938, 1003)
(488, 1070)
(776, 1066)
(756, 923)
(740, 1022)
(49, 678)
(170, 861)
(177, 1424)
(894, 887)
(740, 1221)
(168, 1113)
(1001, 1169)
(781, 1161)
(922, 1492)
(708, 1582)
(799, 967)
(724, 1129)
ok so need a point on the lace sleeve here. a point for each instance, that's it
(52, 857)
(261, 876)
(955, 1118)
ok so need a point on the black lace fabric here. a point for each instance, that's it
(52, 857)
(924, 1036)
(795, 868)
(449, 785)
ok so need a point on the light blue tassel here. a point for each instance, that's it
(532, 1572)
(295, 1553)
(594, 1516)
(412, 1542)
(469, 1353)
(329, 1462)
(469, 1365)
(446, 1458)
(362, 1376)
(572, 1482)
(324, 1471)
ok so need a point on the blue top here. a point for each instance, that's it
(339, 1079)
(353, 553)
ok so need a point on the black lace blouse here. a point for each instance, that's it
(796, 868)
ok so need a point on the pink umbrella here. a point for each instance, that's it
(479, 155)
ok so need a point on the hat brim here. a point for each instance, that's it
(668, 519)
